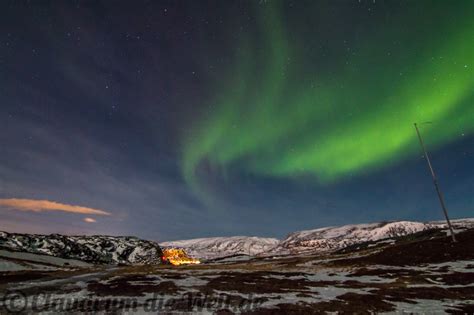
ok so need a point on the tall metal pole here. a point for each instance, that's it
(435, 181)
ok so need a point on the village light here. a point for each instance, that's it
(177, 256)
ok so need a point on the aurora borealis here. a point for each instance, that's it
(181, 119)
(358, 115)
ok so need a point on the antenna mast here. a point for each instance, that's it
(435, 181)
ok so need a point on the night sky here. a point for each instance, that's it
(180, 119)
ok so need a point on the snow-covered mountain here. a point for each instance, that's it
(333, 238)
(96, 249)
(215, 247)
(461, 224)
(317, 240)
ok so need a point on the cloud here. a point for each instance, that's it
(90, 220)
(46, 205)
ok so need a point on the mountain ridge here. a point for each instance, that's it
(129, 250)
(95, 249)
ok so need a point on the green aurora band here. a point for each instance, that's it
(279, 116)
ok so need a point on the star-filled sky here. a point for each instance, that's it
(179, 119)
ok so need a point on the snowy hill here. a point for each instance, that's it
(333, 238)
(96, 249)
(215, 247)
(317, 240)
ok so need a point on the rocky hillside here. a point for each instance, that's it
(96, 249)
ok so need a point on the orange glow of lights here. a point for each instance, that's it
(177, 256)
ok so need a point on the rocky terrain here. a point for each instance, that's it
(96, 250)
(422, 272)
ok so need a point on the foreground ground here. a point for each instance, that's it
(424, 273)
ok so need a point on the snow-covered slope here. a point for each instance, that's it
(96, 249)
(460, 224)
(215, 247)
(334, 238)
(15, 261)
